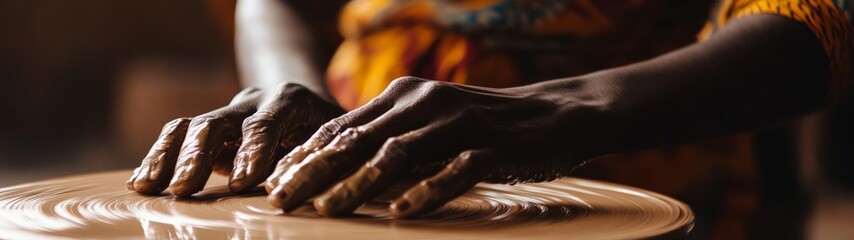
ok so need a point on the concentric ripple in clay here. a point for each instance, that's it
(99, 206)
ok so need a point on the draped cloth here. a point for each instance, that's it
(445, 40)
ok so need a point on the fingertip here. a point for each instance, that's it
(236, 186)
(400, 209)
(414, 201)
(240, 185)
(144, 184)
(147, 188)
(276, 196)
(141, 186)
(133, 177)
(322, 206)
(182, 189)
(431, 194)
(274, 202)
(181, 192)
(243, 182)
(332, 204)
(129, 185)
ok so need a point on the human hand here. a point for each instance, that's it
(461, 135)
(243, 140)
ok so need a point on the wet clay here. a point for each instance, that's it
(98, 206)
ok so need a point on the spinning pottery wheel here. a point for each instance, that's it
(99, 206)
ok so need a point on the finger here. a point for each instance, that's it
(261, 136)
(206, 137)
(325, 134)
(345, 153)
(158, 166)
(211, 143)
(261, 133)
(320, 169)
(295, 156)
(457, 178)
(394, 161)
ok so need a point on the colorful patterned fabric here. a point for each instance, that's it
(830, 21)
(445, 40)
(441, 40)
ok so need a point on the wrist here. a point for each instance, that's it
(587, 113)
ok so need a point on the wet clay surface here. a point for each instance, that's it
(99, 206)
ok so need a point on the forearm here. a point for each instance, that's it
(756, 71)
(274, 45)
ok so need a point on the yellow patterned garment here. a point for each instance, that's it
(444, 40)
(454, 41)
(829, 20)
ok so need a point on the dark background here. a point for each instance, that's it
(85, 85)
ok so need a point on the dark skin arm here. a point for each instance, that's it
(286, 102)
(756, 71)
(274, 45)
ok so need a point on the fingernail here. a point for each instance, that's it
(400, 206)
(238, 173)
(129, 184)
(320, 204)
(275, 198)
(235, 186)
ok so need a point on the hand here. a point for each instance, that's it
(272, 122)
(461, 135)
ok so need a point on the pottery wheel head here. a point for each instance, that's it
(99, 206)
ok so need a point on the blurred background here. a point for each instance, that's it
(86, 86)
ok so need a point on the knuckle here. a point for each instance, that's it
(430, 184)
(244, 94)
(350, 136)
(395, 146)
(206, 119)
(405, 82)
(258, 119)
(247, 91)
(352, 132)
(175, 124)
(433, 92)
(396, 152)
(288, 88)
(466, 160)
(433, 86)
(326, 132)
(332, 127)
(201, 119)
(178, 121)
(290, 93)
(466, 155)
